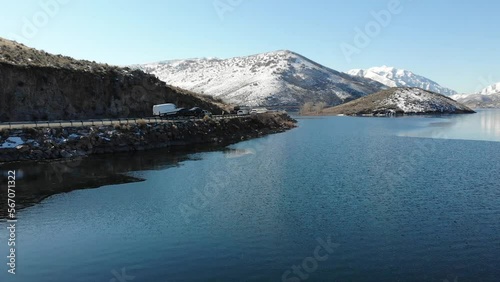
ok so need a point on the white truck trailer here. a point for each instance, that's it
(164, 110)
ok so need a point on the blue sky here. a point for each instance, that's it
(455, 43)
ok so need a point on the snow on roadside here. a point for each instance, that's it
(12, 142)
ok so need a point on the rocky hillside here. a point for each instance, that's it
(393, 77)
(40, 86)
(400, 101)
(269, 79)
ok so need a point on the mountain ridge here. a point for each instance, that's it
(491, 89)
(480, 101)
(488, 97)
(394, 77)
(275, 78)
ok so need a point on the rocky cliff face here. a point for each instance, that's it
(35, 85)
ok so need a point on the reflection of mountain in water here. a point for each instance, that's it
(490, 122)
(483, 126)
(92, 172)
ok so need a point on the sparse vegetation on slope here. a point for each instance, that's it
(400, 101)
(312, 108)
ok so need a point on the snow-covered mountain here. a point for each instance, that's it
(393, 77)
(489, 97)
(492, 89)
(404, 100)
(275, 78)
(478, 101)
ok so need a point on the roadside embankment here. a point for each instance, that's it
(69, 142)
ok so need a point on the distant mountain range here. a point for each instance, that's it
(489, 97)
(281, 78)
(478, 101)
(394, 77)
(492, 89)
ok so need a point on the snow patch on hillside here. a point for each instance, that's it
(413, 100)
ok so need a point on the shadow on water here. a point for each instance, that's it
(36, 181)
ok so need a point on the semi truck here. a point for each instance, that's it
(170, 110)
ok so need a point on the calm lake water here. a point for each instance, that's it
(400, 199)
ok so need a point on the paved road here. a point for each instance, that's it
(97, 122)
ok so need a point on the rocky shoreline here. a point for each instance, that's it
(71, 142)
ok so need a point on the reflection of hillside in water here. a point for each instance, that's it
(482, 126)
(490, 122)
(237, 153)
(37, 181)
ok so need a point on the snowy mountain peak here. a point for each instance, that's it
(385, 68)
(492, 89)
(275, 78)
(393, 77)
(283, 52)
